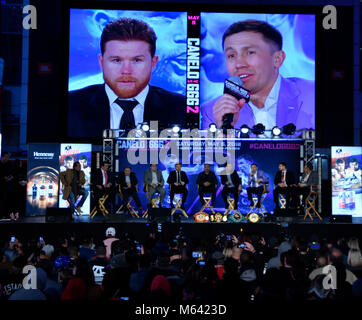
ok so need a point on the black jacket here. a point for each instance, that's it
(89, 111)
(289, 178)
(97, 177)
(234, 178)
(202, 178)
(122, 180)
(172, 177)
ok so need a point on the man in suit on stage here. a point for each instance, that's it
(256, 182)
(283, 182)
(129, 187)
(154, 182)
(207, 183)
(309, 178)
(73, 181)
(126, 99)
(178, 182)
(232, 184)
(103, 184)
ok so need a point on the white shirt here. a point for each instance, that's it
(178, 177)
(256, 179)
(285, 176)
(117, 111)
(154, 178)
(305, 178)
(127, 179)
(268, 115)
(104, 178)
(231, 185)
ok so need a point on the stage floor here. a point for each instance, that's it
(120, 218)
(32, 227)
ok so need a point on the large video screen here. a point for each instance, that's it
(281, 80)
(174, 65)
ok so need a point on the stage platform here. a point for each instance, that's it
(31, 227)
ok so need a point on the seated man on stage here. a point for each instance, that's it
(308, 178)
(128, 182)
(73, 181)
(283, 181)
(207, 183)
(232, 184)
(103, 184)
(256, 182)
(154, 180)
(178, 182)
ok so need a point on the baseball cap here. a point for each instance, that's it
(48, 250)
(248, 275)
(111, 232)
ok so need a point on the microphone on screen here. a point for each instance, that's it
(234, 87)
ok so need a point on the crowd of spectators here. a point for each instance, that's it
(176, 268)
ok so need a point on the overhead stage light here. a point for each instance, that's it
(258, 129)
(289, 129)
(244, 131)
(145, 126)
(176, 128)
(212, 127)
(276, 131)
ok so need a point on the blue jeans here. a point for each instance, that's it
(71, 199)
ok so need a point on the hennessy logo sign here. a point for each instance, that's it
(43, 155)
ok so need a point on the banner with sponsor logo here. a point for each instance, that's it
(43, 173)
(70, 153)
(346, 181)
(267, 154)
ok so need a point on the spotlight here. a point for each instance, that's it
(276, 131)
(244, 129)
(212, 127)
(145, 126)
(254, 218)
(176, 128)
(258, 129)
(289, 129)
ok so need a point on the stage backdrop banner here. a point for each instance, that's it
(70, 153)
(346, 181)
(265, 153)
(43, 175)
